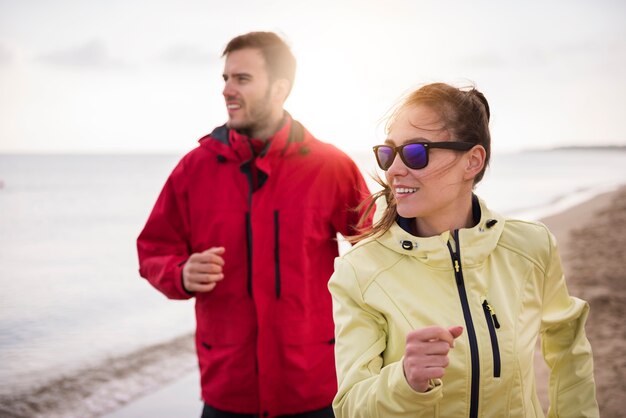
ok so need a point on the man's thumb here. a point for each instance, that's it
(216, 250)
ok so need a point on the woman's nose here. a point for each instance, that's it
(397, 166)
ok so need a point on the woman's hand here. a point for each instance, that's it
(426, 354)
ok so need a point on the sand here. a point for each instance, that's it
(94, 390)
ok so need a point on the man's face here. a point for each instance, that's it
(247, 91)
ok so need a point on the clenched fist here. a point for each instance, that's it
(203, 270)
(426, 354)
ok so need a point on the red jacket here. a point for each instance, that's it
(265, 334)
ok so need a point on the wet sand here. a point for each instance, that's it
(99, 388)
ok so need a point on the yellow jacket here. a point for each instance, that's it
(508, 289)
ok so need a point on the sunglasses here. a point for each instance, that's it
(414, 154)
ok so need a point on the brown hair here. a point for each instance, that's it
(278, 57)
(465, 114)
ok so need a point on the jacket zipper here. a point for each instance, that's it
(246, 169)
(469, 323)
(276, 255)
(249, 250)
(492, 324)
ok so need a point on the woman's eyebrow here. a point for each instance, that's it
(408, 141)
(417, 140)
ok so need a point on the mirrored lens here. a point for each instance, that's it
(385, 156)
(415, 156)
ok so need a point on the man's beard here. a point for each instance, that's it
(257, 118)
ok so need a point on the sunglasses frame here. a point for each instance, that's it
(399, 150)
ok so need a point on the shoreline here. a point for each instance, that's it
(563, 204)
(96, 389)
(163, 381)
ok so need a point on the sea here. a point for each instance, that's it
(72, 303)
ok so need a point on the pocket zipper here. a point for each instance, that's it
(492, 324)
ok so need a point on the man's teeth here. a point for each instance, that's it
(404, 190)
(233, 106)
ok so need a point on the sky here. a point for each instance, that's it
(145, 76)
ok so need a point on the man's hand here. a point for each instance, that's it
(203, 270)
(426, 354)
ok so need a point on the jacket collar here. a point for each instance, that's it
(407, 223)
(476, 243)
(232, 145)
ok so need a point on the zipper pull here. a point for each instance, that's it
(493, 313)
(456, 266)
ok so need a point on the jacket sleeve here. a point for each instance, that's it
(352, 191)
(366, 387)
(162, 245)
(565, 347)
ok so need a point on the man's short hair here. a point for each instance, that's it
(278, 57)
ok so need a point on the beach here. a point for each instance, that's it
(590, 236)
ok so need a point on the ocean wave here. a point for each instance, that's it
(564, 201)
(101, 388)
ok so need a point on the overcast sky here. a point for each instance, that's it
(145, 75)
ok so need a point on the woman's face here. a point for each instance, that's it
(432, 192)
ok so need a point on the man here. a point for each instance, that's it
(247, 224)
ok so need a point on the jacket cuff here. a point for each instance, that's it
(433, 395)
(185, 294)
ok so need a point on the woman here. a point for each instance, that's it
(439, 306)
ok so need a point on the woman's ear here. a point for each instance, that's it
(475, 160)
